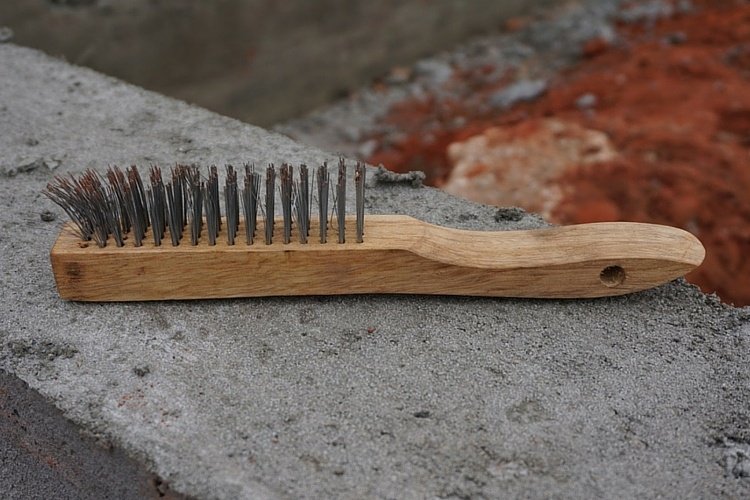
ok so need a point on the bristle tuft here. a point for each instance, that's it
(287, 173)
(341, 201)
(359, 185)
(323, 179)
(269, 207)
(121, 207)
(231, 201)
(250, 197)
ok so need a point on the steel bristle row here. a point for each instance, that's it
(186, 205)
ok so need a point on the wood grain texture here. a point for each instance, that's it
(399, 255)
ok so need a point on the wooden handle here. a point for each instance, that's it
(399, 255)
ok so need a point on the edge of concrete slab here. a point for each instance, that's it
(46, 455)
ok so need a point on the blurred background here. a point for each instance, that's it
(581, 110)
(261, 61)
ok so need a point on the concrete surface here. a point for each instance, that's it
(245, 58)
(395, 397)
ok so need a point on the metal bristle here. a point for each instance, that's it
(213, 182)
(194, 203)
(341, 201)
(287, 174)
(250, 202)
(136, 205)
(211, 203)
(270, 197)
(172, 224)
(68, 196)
(114, 216)
(178, 186)
(96, 207)
(301, 202)
(323, 181)
(304, 199)
(157, 204)
(359, 186)
(118, 206)
(119, 187)
(232, 204)
(299, 213)
(175, 203)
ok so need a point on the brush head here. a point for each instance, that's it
(186, 209)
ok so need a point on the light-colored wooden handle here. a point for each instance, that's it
(400, 255)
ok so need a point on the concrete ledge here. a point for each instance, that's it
(44, 455)
(641, 396)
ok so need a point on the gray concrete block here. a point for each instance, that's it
(640, 396)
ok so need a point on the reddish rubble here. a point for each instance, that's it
(673, 97)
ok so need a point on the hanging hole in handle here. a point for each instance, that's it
(612, 276)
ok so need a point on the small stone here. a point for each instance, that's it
(31, 142)
(52, 163)
(367, 148)
(6, 34)
(742, 469)
(141, 371)
(685, 6)
(587, 101)
(650, 11)
(736, 461)
(47, 216)
(398, 75)
(29, 165)
(350, 134)
(521, 91)
(677, 38)
(436, 72)
(515, 24)
(422, 414)
(506, 471)
(459, 122)
(509, 214)
(595, 46)
(383, 175)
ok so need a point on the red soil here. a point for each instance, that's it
(678, 113)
